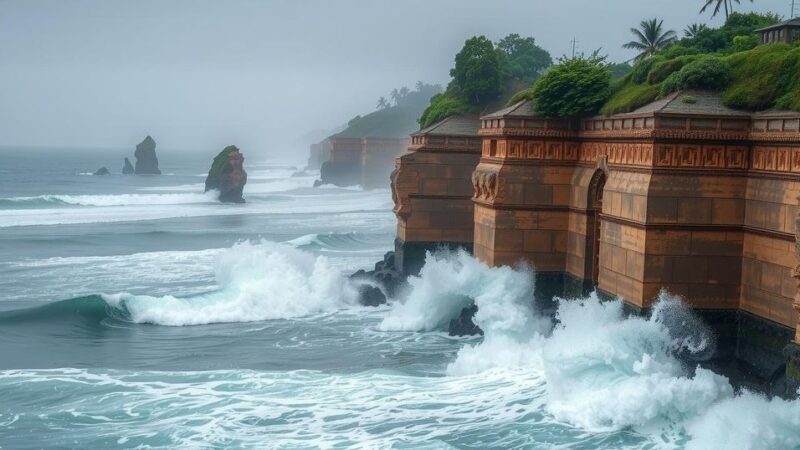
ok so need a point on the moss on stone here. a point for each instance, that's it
(629, 97)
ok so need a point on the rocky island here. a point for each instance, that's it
(146, 159)
(127, 169)
(227, 175)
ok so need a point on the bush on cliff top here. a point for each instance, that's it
(576, 87)
(484, 74)
(443, 106)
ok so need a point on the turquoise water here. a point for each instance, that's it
(137, 312)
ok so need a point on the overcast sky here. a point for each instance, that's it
(200, 74)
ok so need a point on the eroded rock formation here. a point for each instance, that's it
(102, 171)
(146, 160)
(127, 169)
(227, 175)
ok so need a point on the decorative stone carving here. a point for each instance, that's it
(485, 183)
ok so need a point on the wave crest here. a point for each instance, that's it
(261, 281)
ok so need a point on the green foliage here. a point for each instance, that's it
(619, 70)
(676, 50)
(765, 77)
(575, 87)
(744, 43)
(441, 107)
(727, 59)
(522, 59)
(629, 97)
(650, 38)
(477, 71)
(661, 70)
(642, 68)
(671, 84)
(711, 40)
(689, 99)
(707, 72)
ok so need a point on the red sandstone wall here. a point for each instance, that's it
(432, 191)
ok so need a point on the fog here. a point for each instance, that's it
(199, 74)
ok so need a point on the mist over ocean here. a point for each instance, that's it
(138, 312)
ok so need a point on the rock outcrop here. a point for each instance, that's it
(146, 160)
(127, 169)
(227, 175)
(374, 286)
(102, 171)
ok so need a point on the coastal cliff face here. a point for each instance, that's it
(146, 160)
(227, 175)
(128, 169)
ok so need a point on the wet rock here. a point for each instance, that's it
(146, 160)
(375, 285)
(127, 169)
(102, 171)
(464, 325)
(227, 175)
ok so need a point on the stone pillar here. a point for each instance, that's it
(792, 351)
(432, 192)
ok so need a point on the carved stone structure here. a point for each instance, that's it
(360, 161)
(787, 31)
(683, 194)
(317, 155)
(432, 190)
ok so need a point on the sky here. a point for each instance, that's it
(201, 74)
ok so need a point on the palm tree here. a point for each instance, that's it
(694, 29)
(382, 103)
(726, 5)
(650, 38)
(394, 95)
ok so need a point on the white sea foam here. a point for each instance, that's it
(603, 371)
(120, 199)
(257, 282)
(448, 283)
(167, 206)
(608, 372)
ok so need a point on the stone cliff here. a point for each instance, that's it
(227, 175)
(146, 160)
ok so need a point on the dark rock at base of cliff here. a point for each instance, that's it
(464, 325)
(227, 175)
(102, 171)
(340, 173)
(146, 160)
(127, 169)
(374, 286)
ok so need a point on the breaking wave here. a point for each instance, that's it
(260, 281)
(603, 371)
(110, 199)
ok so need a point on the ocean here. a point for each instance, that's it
(139, 312)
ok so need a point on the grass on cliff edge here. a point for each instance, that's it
(765, 77)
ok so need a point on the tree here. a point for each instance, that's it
(726, 5)
(522, 58)
(575, 87)
(477, 71)
(650, 38)
(382, 103)
(394, 95)
(694, 30)
(403, 93)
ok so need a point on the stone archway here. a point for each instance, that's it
(594, 209)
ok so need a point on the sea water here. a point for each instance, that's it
(138, 312)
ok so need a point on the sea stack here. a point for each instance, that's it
(146, 160)
(227, 175)
(102, 171)
(127, 169)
